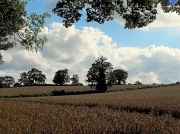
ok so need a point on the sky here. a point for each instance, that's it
(149, 55)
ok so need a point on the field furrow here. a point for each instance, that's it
(152, 111)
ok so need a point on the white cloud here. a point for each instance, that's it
(145, 77)
(163, 20)
(76, 49)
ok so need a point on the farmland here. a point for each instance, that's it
(48, 89)
(153, 110)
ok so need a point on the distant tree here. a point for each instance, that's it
(99, 75)
(1, 59)
(32, 77)
(6, 81)
(1, 82)
(61, 77)
(18, 28)
(136, 13)
(75, 79)
(40, 79)
(17, 84)
(177, 82)
(9, 80)
(36, 76)
(138, 83)
(24, 79)
(120, 76)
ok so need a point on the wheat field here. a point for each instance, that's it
(146, 111)
(48, 89)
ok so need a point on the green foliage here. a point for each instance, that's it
(120, 76)
(11, 18)
(29, 38)
(138, 83)
(17, 84)
(6, 81)
(1, 59)
(75, 79)
(57, 92)
(136, 13)
(32, 77)
(61, 77)
(99, 75)
(17, 28)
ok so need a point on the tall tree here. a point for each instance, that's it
(75, 79)
(120, 76)
(18, 28)
(61, 77)
(99, 75)
(136, 13)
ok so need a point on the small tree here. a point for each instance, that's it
(99, 75)
(120, 76)
(75, 79)
(61, 77)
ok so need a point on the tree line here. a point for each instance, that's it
(101, 76)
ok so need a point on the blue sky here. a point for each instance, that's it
(150, 54)
(120, 35)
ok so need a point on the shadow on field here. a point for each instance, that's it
(53, 93)
(62, 92)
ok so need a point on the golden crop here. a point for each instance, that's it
(147, 111)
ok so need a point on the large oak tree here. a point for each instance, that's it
(99, 75)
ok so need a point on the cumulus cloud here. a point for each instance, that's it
(76, 49)
(163, 20)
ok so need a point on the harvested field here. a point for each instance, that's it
(156, 110)
(39, 89)
(48, 89)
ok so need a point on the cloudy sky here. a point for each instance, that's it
(149, 55)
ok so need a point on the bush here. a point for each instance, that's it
(17, 84)
(177, 83)
(57, 92)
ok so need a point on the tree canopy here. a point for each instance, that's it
(6, 81)
(75, 79)
(99, 75)
(136, 13)
(32, 77)
(120, 76)
(18, 28)
(61, 77)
